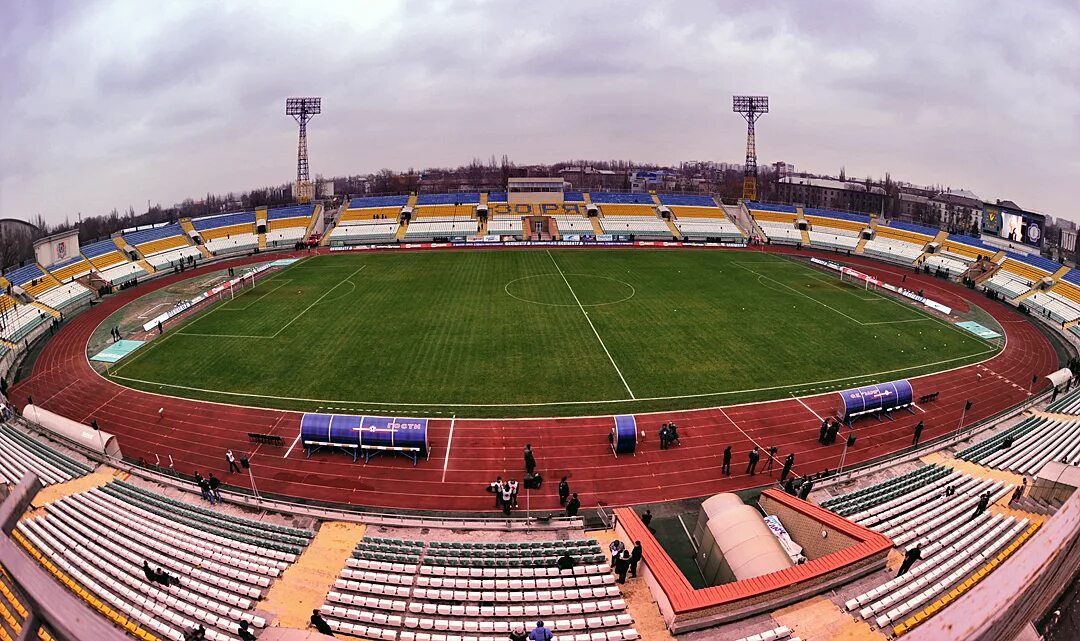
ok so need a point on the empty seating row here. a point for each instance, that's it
(781, 233)
(636, 226)
(938, 574)
(25, 274)
(977, 452)
(238, 219)
(355, 232)
(457, 198)
(399, 598)
(874, 495)
(1007, 284)
(232, 244)
(1052, 440)
(896, 251)
(688, 200)
(70, 269)
(430, 230)
(620, 209)
(378, 201)
(17, 322)
(286, 236)
(775, 634)
(1057, 308)
(719, 227)
(1036, 262)
(226, 231)
(172, 257)
(907, 232)
(157, 239)
(123, 272)
(20, 453)
(833, 241)
(283, 543)
(1068, 404)
(41, 284)
(710, 211)
(293, 212)
(1066, 289)
(945, 263)
(505, 227)
(445, 212)
(64, 296)
(834, 226)
(573, 225)
(1023, 270)
(372, 213)
(618, 197)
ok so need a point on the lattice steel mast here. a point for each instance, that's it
(751, 108)
(303, 110)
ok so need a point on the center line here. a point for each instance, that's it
(449, 440)
(589, 320)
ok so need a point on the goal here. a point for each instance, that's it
(860, 280)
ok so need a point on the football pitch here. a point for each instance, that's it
(543, 333)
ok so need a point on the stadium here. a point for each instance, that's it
(551, 409)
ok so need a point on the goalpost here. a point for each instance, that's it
(860, 280)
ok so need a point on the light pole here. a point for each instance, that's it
(101, 439)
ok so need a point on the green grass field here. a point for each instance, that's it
(543, 333)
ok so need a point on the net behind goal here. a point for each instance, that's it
(860, 280)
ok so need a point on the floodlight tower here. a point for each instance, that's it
(751, 108)
(303, 110)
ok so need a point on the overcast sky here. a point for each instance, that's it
(106, 104)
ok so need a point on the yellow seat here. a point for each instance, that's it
(773, 216)
(162, 244)
(445, 211)
(835, 223)
(370, 213)
(903, 235)
(111, 259)
(66, 272)
(686, 211)
(221, 232)
(286, 223)
(620, 209)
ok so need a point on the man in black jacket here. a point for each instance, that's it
(726, 468)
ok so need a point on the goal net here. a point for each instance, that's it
(860, 280)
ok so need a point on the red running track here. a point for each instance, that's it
(196, 433)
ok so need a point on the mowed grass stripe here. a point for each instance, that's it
(440, 328)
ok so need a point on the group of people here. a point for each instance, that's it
(669, 435)
(623, 560)
(158, 576)
(830, 429)
(208, 488)
(540, 633)
(506, 492)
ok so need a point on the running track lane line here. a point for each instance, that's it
(764, 450)
(589, 320)
(804, 405)
(295, 441)
(449, 441)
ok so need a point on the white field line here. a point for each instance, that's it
(319, 299)
(596, 333)
(325, 401)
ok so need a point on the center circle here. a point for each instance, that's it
(569, 290)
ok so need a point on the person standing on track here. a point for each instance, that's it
(751, 466)
(233, 467)
(772, 457)
(788, 462)
(573, 505)
(530, 460)
(564, 491)
(726, 467)
(918, 434)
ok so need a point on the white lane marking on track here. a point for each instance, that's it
(295, 441)
(806, 406)
(596, 333)
(449, 441)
